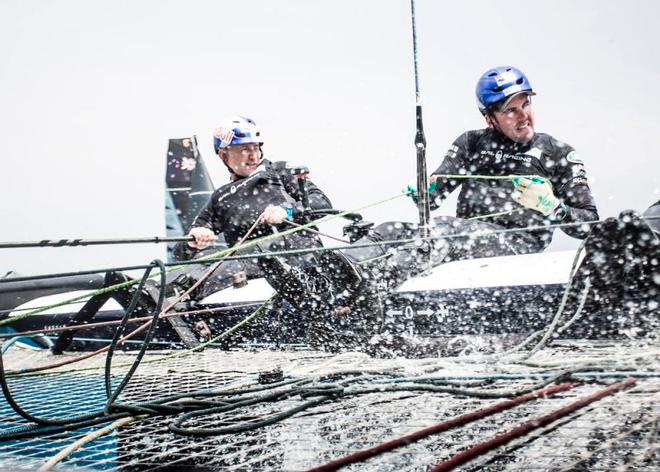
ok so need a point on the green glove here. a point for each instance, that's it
(536, 194)
(535, 179)
(412, 191)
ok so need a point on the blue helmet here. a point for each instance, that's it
(500, 84)
(236, 130)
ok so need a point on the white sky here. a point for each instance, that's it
(91, 91)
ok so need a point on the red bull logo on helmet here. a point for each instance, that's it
(224, 135)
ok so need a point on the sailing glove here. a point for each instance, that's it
(535, 193)
(412, 190)
(275, 215)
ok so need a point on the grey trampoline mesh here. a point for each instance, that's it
(619, 432)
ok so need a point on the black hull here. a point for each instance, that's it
(493, 311)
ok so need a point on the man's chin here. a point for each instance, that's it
(524, 138)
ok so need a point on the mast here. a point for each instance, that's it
(423, 207)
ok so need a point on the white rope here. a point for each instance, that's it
(64, 453)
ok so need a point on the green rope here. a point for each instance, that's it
(412, 191)
(489, 177)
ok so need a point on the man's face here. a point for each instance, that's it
(515, 120)
(242, 159)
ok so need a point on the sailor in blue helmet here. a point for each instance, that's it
(258, 190)
(552, 187)
(511, 177)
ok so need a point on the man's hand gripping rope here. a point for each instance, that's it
(536, 194)
(204, 237)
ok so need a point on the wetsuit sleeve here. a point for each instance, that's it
(183, 252)
(454, 163)
(571, 186)
(207, 216)
(317, 199)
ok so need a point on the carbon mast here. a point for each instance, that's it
(423, 206)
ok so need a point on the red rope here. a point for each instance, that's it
(526, 427)
(444, 426)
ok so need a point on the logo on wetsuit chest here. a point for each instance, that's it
(234, 188)
(501, 156)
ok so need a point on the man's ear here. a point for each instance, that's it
(489, 120)
(222, 154)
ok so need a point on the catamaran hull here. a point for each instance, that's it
(481, 297)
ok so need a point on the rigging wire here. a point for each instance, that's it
(155, 239)
(244, 243)
(158, 239)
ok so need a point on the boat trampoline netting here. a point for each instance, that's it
(298, 409)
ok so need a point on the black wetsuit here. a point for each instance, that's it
(233, 209)
(487, 152)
